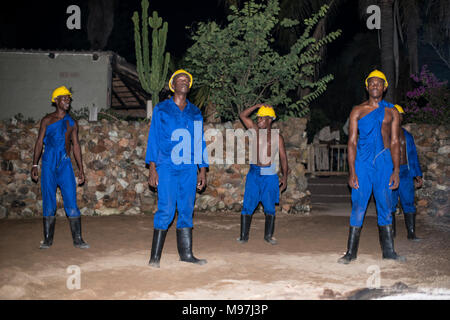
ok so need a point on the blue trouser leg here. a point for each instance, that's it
(63, 177)
(48, 190)
(394, 200)
(361, 196)
(406, 191)
(167, 182)
(373, 177)
(270, 193)
(381, 191)
(66, 181)
(176, 189)
(251, 193)
(187, 187)
(260, 187)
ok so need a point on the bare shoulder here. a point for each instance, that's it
(281, 138)
(356, 110)
(45, 121)
(393, 113)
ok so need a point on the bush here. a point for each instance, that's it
(428, 102)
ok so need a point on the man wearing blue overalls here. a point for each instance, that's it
(261, 184)
(374, 161)
(410, 175)
(59, 132)
(172, 172)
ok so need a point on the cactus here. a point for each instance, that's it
(152, 77)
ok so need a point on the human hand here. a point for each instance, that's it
(394, 181)
(283, 184)
(34, 174)
(353, 181)
(153, 177)
(81, 177)
(201, 180)
(418, 182)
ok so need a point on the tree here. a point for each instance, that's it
(152, 78)
(437, 31)
(100, 22)
(240, 67)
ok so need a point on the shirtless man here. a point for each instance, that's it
(262, 183)
(410, 176)
(59, 132)
(374, 161)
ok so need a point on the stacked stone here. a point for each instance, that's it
(433, 148)
(19, 196)
(116, 174)
(226, 182)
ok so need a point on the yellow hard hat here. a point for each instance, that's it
(178, 72)
(400, 109)
(377, 74)
(61, 91)
(265, 111)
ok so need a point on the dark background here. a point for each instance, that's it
(42, 25)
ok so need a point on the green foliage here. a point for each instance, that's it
(152, 78)
(239, 66)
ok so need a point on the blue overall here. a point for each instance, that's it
(408, 172)
(177, 146)
(373, 166)
(261, 185)
(57, 170)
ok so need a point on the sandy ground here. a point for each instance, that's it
(302, 266)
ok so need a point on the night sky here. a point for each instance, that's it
(32, 25)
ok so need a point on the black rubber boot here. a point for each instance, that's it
(269, 228)
(159, 236)
(394, 225)
(387, 244)
(49, 231)
(184, 244)
(75, 227)
(246, 221)
(352, 245)
(410, 222)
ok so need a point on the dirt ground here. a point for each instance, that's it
(302, 266)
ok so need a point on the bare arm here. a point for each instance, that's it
(351, 148)
(38, 148)
(245, 116)
(77, 153)
(284, 164)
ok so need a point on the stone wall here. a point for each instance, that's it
(433, 148)
(116, 175)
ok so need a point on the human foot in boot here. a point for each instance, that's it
(184, 244)
(410, 222)
(246, 221)
(75, 227)
(352, 246)
(159, 236)
(387, 244)
(269, 228)
(49, 231)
